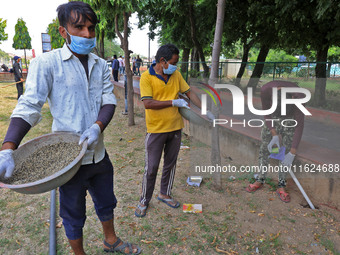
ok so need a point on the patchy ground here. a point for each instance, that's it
(233, 221)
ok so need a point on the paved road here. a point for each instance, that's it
(315, 132)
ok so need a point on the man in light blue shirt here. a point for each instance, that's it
(76, 84)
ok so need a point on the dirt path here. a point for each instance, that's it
(233, 221)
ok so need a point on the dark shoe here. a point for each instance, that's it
(168, 201)
(141, 211)
(121, 248)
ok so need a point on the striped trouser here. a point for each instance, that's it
(154, 145)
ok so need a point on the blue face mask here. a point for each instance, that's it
(170, 70)
(81, 45)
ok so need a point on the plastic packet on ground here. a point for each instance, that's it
(192, 208)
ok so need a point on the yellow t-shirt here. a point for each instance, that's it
(153, 86)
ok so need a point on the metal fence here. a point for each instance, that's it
(271, 70)
(302, 73)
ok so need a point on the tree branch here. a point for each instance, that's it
(117, 30)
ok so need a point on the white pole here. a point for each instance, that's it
(301, 189)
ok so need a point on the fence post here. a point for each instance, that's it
(274, 70)
(187, 72)
(52, 230)
(220, 71)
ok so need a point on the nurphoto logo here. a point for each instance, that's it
(239, 104)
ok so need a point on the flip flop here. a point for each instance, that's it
(121, 248)
(168, 201)
(285, 198)
(252, 188)
(142, 210)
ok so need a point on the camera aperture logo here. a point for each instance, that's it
(204, 98)
(238, 104)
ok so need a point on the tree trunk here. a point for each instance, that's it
(215, 141)
(258, 69)
(25, 62)
(101, 44)
(320, 73)
(195, 40)
(185, 60)
(195, 60)
(246, 49)
(125, 43)
(329, 66)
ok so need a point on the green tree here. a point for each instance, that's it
(114, 16)
(315, 24)
(4, 55)
(112, 48)
(188, 24)
(333, 56)
(3, 35)
(22, 39)
(265, 24)
(57, 41)
(238, 33)
(170, 27)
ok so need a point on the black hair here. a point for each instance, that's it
(82, 11)
(166, 51)
(115, 56)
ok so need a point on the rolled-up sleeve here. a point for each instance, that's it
(108, 97)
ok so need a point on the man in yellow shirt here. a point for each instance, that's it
(159, 87)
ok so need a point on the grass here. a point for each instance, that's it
(329, 245)
(229, 223)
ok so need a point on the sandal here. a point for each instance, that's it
(141, 211)
(284, 196)
(252, 188)
(168, 201)
(121, 248)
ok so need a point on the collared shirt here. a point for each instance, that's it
(59, 77)
(153, 86)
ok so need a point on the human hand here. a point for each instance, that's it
(275, 140)
(6, 163)
(92, 136)
(288, 160)
(180, 103)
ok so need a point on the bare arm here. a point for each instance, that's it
(194, 98)
(155, 104)
(8, 145)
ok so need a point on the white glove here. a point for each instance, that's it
(275, 140)
(180, 103)
(210, 116)
(6, 163)
(92, 136)
(288, 160)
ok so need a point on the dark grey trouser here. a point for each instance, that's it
(20, 89)
(155, 143)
